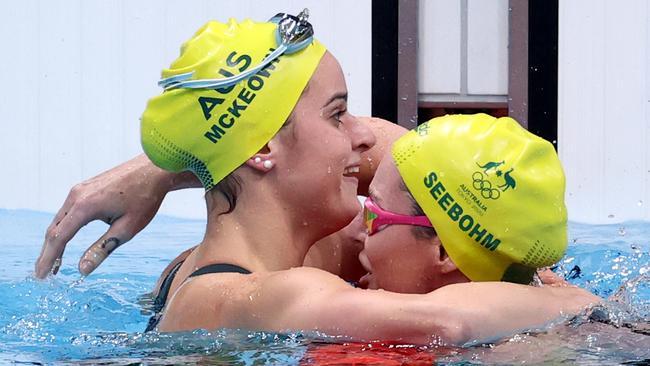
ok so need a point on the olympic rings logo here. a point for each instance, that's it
(481, 184)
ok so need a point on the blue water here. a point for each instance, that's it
(99, 319)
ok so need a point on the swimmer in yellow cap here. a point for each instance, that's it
(460, 198)
(272, 193)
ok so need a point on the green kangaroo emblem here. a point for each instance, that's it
(490, 165)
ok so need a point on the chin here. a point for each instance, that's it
(351, 210)
(343, 218)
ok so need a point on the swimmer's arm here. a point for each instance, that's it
(126, 197)
(455, 314)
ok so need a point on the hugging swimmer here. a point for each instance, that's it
(280, 177)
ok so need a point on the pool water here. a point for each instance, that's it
(99, 319)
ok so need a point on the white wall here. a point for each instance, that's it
(76, 75)
(463, 50)
(603, 108)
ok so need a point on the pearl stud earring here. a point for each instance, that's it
(268, 164)
(257, 160)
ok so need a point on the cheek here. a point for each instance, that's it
(395, 259)
(324, 158)
(384, 252)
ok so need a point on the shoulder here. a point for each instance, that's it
(303, 277)
(282, 289)
(250, 301)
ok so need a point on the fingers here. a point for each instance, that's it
(43, 266)
(116, 235)
(550, 278)
(63, 228)
(56, 265)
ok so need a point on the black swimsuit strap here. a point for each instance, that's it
(219, 268)
(161, 299)
(163, 293)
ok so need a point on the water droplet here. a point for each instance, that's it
(329, 170)
(569, 260)
(621, 231)
(640, 203)
(610, 216)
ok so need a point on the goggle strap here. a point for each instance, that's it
(287, 46)
(166, 82)
(180, 81)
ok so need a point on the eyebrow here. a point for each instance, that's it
(343, 95)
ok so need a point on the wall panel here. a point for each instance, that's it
(59, 123)
(487, 47)
(463, 51)
(19, 106)
(439, 53)
(603, 109)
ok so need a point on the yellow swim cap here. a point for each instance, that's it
(213, 131)
(493, 191)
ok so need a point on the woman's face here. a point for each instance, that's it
(396, 259)
(319, 153)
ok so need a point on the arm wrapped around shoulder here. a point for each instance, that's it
(459, 314)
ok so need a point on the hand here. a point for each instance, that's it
(550, 278)
(126, 197)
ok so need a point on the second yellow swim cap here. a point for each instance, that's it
(493, 191)
(213, 131)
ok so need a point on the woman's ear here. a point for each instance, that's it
(263, 161)
(446, 265)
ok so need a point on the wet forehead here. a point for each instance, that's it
(385, 188)
(328, 80)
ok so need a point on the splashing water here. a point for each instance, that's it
(100, 318)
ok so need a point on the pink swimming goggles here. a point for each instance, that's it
(376, 218)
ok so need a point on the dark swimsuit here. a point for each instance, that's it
(163, 293)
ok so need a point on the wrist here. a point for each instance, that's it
(165, 180)
(182, 180)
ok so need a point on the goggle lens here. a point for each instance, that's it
(369, 218)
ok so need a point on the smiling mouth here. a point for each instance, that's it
(351, 170)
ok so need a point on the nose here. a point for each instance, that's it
(361, 135)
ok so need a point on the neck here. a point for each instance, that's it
(454, 277)
(260, 234)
